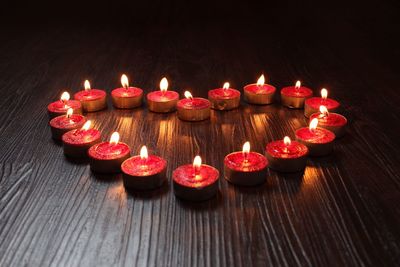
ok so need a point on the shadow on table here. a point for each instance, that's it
(78, 161)
(107, 177)
(207, 205)
(149, 194)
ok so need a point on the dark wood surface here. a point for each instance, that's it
(344, 210)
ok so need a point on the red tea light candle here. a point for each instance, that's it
(144, 172)
(162, 101)
(286, 155)
(245, 167)
(312, 104)
(319, 141)
(195, 182)
(92, 99)
(259, 93)
(193, 108)
(64, 123)
(107, 157)
(61, 106)
(333, 122)
(77, 142)
(126, 97)
(224, 98)
(295, 96)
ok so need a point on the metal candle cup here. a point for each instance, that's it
(92, 99)
(162, 101)
(126, 97)
(311, 105)
(64, 123)
(295, 96)
(61, 106)
(224, 98)
(77, 142)
(193, 108)
(333, 122)
(259, 93)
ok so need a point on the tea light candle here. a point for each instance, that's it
(126, 97)
(144, 172)
(286, 155)
(312, 104)
(61, 106)
(107, 157)
(294, 96)
(193, 108)
(92, 99)
(224, 98)
(333, 122)
(64, 123)
(319, 141)
(77, 142)
(162, 101)
(259, 93)
(195, 182)
(245, 167)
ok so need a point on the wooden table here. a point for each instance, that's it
(344, 210)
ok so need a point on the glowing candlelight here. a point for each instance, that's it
(287, 142)
(324, 111)
(261, 80)
(297, 85)
(144, 155)
(64, 98)
(313, 124)
(164, 85)
(114, 139)
(69, 112)
(87, 85)
(86, 126)
(324, 93)
(197, 166)
(124, 81)
(246, 151)
(226, 86)
(188, 95)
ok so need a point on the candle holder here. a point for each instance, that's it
(127, 97)
(60, 107)
(224, 98)
(295, 96)
(259, 93)
(311, 105)
(64, 123)
(193, 108)
(92, 99)
(162, 101)
(333, 122)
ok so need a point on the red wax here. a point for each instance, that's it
(159, 96)
(185, 176)
(221, 93)
(278, 149)
(332, 119)
(72, 122)
(88, 95)
(316, 136)
(260, 89)
(127, 92)
(62, 106)
(80, 137)
(255, 162)
(107, 151)
(316, 102)
(292, 91)
(194, 103)
(136, 166)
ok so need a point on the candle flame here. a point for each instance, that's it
(226, 85)
(298, 85)
(197, 162)
(246, 148)
(65, 97)
(324, 93)
(69, 112)
(124, 81)
(86, 126)
(188, 95)
(114, 138)
(323, 110)
(164, 85)
(261, 80)
(313, 124)
(87, 85)
(143, 153)
(287, 141)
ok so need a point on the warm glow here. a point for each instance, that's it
(87, 85)
(298, 85)
(69, 112)
(114, 138)
(287, 141)
(124, 81)
(324, 93)
(197, 162)
(313, 124)
(323, 110)
(246, 147)
(164, 85)
(65, 97)
(261, 80)
(86, 126)
(143, 153)
(226, 85)
(188, 95)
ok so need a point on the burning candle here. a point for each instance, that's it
(77, 142)
(64, 123)
(224, 98)
(107, 157)
(91, 99)
(319, 141)
(162, 101)
(193, 108)
(245, 167)
(144, 172)
(312, 104)
(195, 182)
(333, 122)
(286, 155)
(294, 96)
(126, 97)
(259, 93)
(61, 106)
